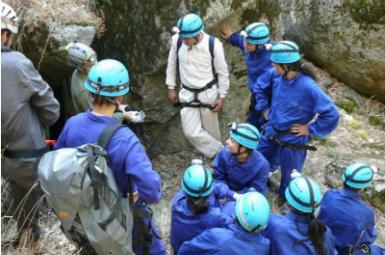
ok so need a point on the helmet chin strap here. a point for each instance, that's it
(113, 101)
(286, 71)
(240, 156)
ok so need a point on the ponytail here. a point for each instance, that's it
(316, 234)
(299, 66)
(198, 205)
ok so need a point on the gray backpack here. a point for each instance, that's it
(81, 189)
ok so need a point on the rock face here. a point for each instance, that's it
(344, 37)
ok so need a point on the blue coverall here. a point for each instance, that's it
(257, 63)
(127, 157)
(185, 225)
(296, 101)
(288, 235)
(253, 173)
(232, 241)
(350, 219)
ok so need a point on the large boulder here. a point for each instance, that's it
(336, 36)
(344, 37)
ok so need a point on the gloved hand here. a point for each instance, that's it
(133, 116)
(268, 46)
(294, 174)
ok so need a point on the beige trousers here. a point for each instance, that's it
(201, 125)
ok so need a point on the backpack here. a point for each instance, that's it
(211, 49)
(81, 189)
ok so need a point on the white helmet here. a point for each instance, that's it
(79, 53)
(9, 19)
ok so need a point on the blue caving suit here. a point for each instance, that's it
(350, 219)
(185, 225)
(296, 101)
(288, 235)
(239, 177)
(127, 157)
(232, 241)
(257, 63)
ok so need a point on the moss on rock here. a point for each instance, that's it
(367, 11)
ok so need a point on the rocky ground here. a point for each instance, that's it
(360, 136)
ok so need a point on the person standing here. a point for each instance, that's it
(253, 43)
(81, 57)
(299, 111)
(198, 59)
(28, 107)
(108, 82)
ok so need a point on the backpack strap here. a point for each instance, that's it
(96, 176)
(105, 136)
(211, 49)
(178, 45)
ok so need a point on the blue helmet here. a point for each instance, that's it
(108, 78)
(303, 194)
(256, 33)
(285, 52)
(197, 181)
(358, 176)
(252, 210)
(190, 25)
(245, 134)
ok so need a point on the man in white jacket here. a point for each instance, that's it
(199, 60)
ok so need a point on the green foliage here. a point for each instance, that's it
(82, 23)
(325, 142)
(348, 104)
(367, 11)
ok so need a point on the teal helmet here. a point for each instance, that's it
(252, 210)
(358, 176)
(108, 78)
(256, 33)
(197, 181)
(285, 52)
(303, 194)
(245, 134)
(190, 25)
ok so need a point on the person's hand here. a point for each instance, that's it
(122, 107)
(266, 115)
(268, 46)
(135, 196)
(225, 31)
(134, 116)
(172, 96)
(298, 129)
(222, 201)
(218, 104)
